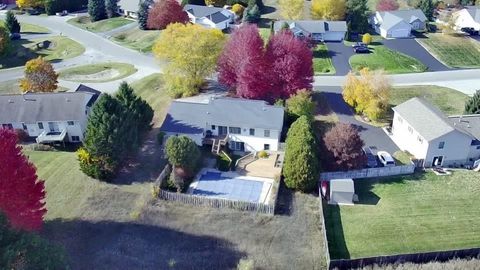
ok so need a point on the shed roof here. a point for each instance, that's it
(342, 185)
(214, 13)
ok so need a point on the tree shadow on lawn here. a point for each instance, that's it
(333, 225)
(114, 245)
(284, 203)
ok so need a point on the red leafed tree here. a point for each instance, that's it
(387, 5)
(291, 64)
(22, 194)
(165, 12)
(343, 147)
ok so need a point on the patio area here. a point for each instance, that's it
(270, 167)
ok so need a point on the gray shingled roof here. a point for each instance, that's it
(192, 118)
(392, 18)
(202, 11)
(474, 12)
(469, 124)
(315, 26)
(129, 5)
(425, 118)
(34, 107)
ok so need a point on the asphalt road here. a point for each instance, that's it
(340, 55)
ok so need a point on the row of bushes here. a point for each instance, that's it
(54, 6)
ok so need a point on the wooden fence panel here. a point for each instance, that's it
(370, 172)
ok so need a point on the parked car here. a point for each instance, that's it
(15, 36)
(359, 44)
(469, 30)
(361, 50)
(33, 11)
(371, 157)
(385, 158)
(63, 13)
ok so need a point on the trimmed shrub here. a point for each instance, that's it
(262, 154)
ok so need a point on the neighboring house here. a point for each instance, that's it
(245, 125)
(210, 17)
(468, 17)
(49, 117)
(316, 30)
(128, 8)
(398, 23)
(423, 130)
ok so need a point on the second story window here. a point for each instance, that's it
(40, 125)
(441, 145)
(235, 130)
(70, 123)
(252, 132)
(266, 133)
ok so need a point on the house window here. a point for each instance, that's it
(419, 139)
(266, 133)
(7, 126)
(266, 146)
(75, 138)
(235, 130)
(70, 123)
(24, 126)
(252, 132)
(40, 125)
(441, 145)
(213, 127)
(410, 129)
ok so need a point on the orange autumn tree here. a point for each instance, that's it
(39, 76)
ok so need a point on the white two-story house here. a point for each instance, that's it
(423, 130)
(245, 125)
(210, 17)
(398, 23)
(49, 117)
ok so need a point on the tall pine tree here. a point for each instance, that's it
(22, 194)
(473, 104)
(111, 7)
(97, 10)
(357, 15)
(427, 7)
(12, 23)
(143, 9)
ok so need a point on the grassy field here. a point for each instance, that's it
(453, 51)
(27, 28)
(382, 57)
(101, 72)
(84, 22)
(13, 87)
(322, 63)
(137, 39)
(57, 49)
(414, 213)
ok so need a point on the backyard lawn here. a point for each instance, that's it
(84, 22)
(27, 28)
(13, 87)
(415, 213)
(453, 51)
(101, 72)
(383, 58)
(322, 63)
(137, 39)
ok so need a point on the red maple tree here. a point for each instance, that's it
(387, 5)
(22, 194)
(165, 12)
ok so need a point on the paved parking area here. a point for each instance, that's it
(372, 136)
(411, 48)
(340, 55)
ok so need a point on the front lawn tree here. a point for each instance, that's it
(343, 147)
(143, 9)
(97, 10)
(252, 14)
(387, 5)
(111, 8)
(472, 106)
(165, 12)
(301, 166)
(183, 152)
(23, 4)
(39, 76)
(22, 196)
(12, 23)
(357, 15)
(301, 104)
(291, 9)
(328, 9)
(192, 52)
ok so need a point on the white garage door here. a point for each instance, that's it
(399, 33)
(333, 36)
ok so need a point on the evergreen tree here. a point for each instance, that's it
(183, 152)
(12, 23)
(473, 104)
(97, 10)
(111, 8)
(301, 166)
(357, 15)
(143, 9)
(251, 14)
(427, 7)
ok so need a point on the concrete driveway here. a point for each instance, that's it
(412, 48)
(340, 55)
(372, 136)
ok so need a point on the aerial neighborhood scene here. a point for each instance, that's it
(239, 134)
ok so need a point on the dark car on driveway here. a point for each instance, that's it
(469, 30)
(371, 157)
(361, 49)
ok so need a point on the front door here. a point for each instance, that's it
(222, 130)
(53, 126)
(437, 161)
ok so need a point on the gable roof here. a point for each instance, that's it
(314, 26)
(192, 118)
(469, 124)
(129, 5)
(474, 11)
(33, 107)
(392, 18)
(425, 118)
(212, 13)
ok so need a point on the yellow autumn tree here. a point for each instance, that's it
(191, 53)
(22, 4)
(328, 9)
(291, 9)
(368, 93)
(39, 76)
(238, 9)
(367, 38)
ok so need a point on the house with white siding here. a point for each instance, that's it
(210, 17)
(317, 30)
(469, 16)
(424, 131)
(128, 8)
(241, 124)
(398, 23)
(49, 117)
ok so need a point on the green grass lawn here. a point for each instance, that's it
(59, 48)
(84, 22)
(27, 28)
(264, 33)
(101, 72)
(137, 39)
(322, 63)
(415, 213)
(382, 57)
(453, 51)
